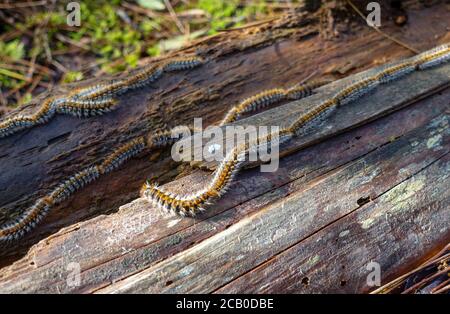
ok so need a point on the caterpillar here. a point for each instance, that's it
(152, 73)
(74, 183)
(254, 103)
(16, 229)
(355, 90)
(141, 78)
(270, 97)
(184, 63)
(115, 87)
(305, 89)
(190, 205)
(393, 72)
(168, 137)
(96, 99)
(127, 151)
(23, 224)
(305, 122)
(21, 122)
(433, 57)
(364, 85)
(87, 108)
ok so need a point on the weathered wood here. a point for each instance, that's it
(110, 248)
(240, 63)
(336, 259)
(396, 178)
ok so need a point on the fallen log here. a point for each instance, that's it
(241, 63)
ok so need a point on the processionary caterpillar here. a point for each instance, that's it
(270, 97)
(189, 205)
(95, 100)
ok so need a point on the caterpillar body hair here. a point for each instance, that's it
(124, 153)
(303, 90)
(262, 100)
(21, 122)
(313, 117)
(168, 137)
(182, 63)
(433, 57)
(115, 87)
(148, 75)
(100, 95)
(256, 102)
(74, 183)
(20, 226)
(393, 72)
(87, 108)
(33, 215)
(26, 221)
(191, 205)
(270, 97)
(355, 90)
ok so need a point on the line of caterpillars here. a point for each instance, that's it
(190, 205)
(27, 220)
(95, 100)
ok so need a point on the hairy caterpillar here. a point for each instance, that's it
(74, 183)
(94, 100)
(24, 223)
(87, 108)
(355, 90)
(115, 87)
(190, 205)
(393, 72)
(270, 97)
(254, 103)
(312, 117)
(21, 225)
(154, 72)
(305, 89)
(433, 57)
(65, 189)
(168, 137)
(15, 124)
(362, 86)
(182, 63)
(127, 151)
(141, 78)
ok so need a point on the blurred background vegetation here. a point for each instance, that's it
(39, 49)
